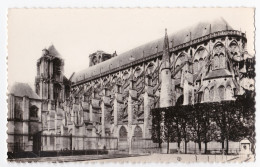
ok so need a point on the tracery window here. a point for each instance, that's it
(218, 50)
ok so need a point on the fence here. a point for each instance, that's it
(22, 145)
(144, 145)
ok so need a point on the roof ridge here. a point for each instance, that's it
(154, 46)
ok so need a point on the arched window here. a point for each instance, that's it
(216, 62)
(211, 94)
(138, 132)
(195, 66)
(206, 94)
(221, 92)
(33, 112)
(122, 134)
(222, 61)
(200, 55)
(229, 93)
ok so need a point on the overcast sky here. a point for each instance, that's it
(76, 33)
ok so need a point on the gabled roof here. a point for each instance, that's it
(183, 36)
(23, 89)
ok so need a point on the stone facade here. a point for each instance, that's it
(114, 96)
(24, 117)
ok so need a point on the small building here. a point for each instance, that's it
(245, 147)
(24, 117)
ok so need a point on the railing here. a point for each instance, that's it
(58, 145)
(144, 145)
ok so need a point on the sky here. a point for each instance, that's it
(76, 33)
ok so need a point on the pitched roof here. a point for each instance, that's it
(53, 51)
(150, 48)
(23, 89)
(218, 73)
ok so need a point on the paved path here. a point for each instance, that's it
(185, 158)
(73, 158)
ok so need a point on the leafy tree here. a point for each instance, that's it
(176, 126)
(184, 119)
(204, 122)
(156, 126)
(170, 129)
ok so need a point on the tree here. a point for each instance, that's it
(196, 125)
(184, 119)
(206, 109)
(246, 102)
(170, 128)
(204, 122)
(177, 126)
(156, 126)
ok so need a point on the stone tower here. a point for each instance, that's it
(100, 56)
(49, 79)
(166, 81)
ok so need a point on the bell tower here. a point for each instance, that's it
(166, 81)
(49, 79)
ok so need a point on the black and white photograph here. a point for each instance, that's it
(131, 85)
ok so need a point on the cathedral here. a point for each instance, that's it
(113, 97)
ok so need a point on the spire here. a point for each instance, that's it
(166, 41)
(166, 57)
